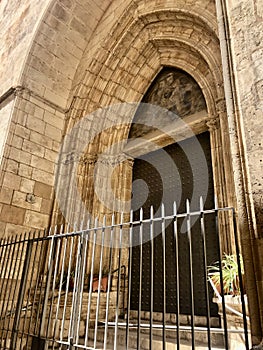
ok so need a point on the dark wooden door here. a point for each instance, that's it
(156, 174)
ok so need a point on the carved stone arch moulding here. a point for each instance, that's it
(126, 44)
(129, 59)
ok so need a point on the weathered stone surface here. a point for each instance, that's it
(36, 220)
(6, 195)
(12, 214)
(43, 190)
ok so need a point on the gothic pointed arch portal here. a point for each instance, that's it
(160, 178)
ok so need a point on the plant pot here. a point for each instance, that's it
(103, 284)
(235, 288)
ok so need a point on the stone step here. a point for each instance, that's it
(157, 342)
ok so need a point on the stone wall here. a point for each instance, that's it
(5, 120)
(245, 20)
(28, 168)
(246, 33)
(19, 20)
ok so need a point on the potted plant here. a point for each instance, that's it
(230, 274)
(103, 282)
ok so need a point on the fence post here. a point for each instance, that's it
(21, 295)
(49, 275)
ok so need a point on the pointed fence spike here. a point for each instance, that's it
(141, 214)
(50, 231)
(175, 208)
(162, 210)
(201, 204)
(75, 227)
(151, 212)
(122, 217)
(88, 224)
(216, 203)
(131, 215)
(187, 206)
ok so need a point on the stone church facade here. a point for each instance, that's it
(63, 60)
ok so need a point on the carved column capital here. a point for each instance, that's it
(213, 124)
(88, 159)
(70, 158)
(114, 159)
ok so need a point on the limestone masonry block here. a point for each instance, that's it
(42, 190)
(11, 181)
(27, 186)
(42, 176)
(25, 170)
(19, 200)
(6, 195)
(36, 220)
(12, 214)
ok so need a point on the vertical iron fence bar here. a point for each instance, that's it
(2, 258)
(164, 276)
(99, 286)
(48, 280)
(203, 235)
(6, 259)
(61, 281)
(75, 290)
(240, 279)
(118, 285)
(50, 286)
(21, 295)
(175, 227)
(91, 282)
(18, 260)
(221, 276)
(76, 287)
(7, 271)
(2, 255)
(50, 316)
(151, 277)
(189, 236)
(140, 282)
(37, 278)
(67, 290)
(4, 263)
(109, 283)
(129, 279)
(2, 245)
(29, 292)
(11, 296)
(86, 238)
(42, 264)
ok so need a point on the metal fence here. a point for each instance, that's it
(96, 288)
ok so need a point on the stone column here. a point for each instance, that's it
(220, 184)
(112, 195)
